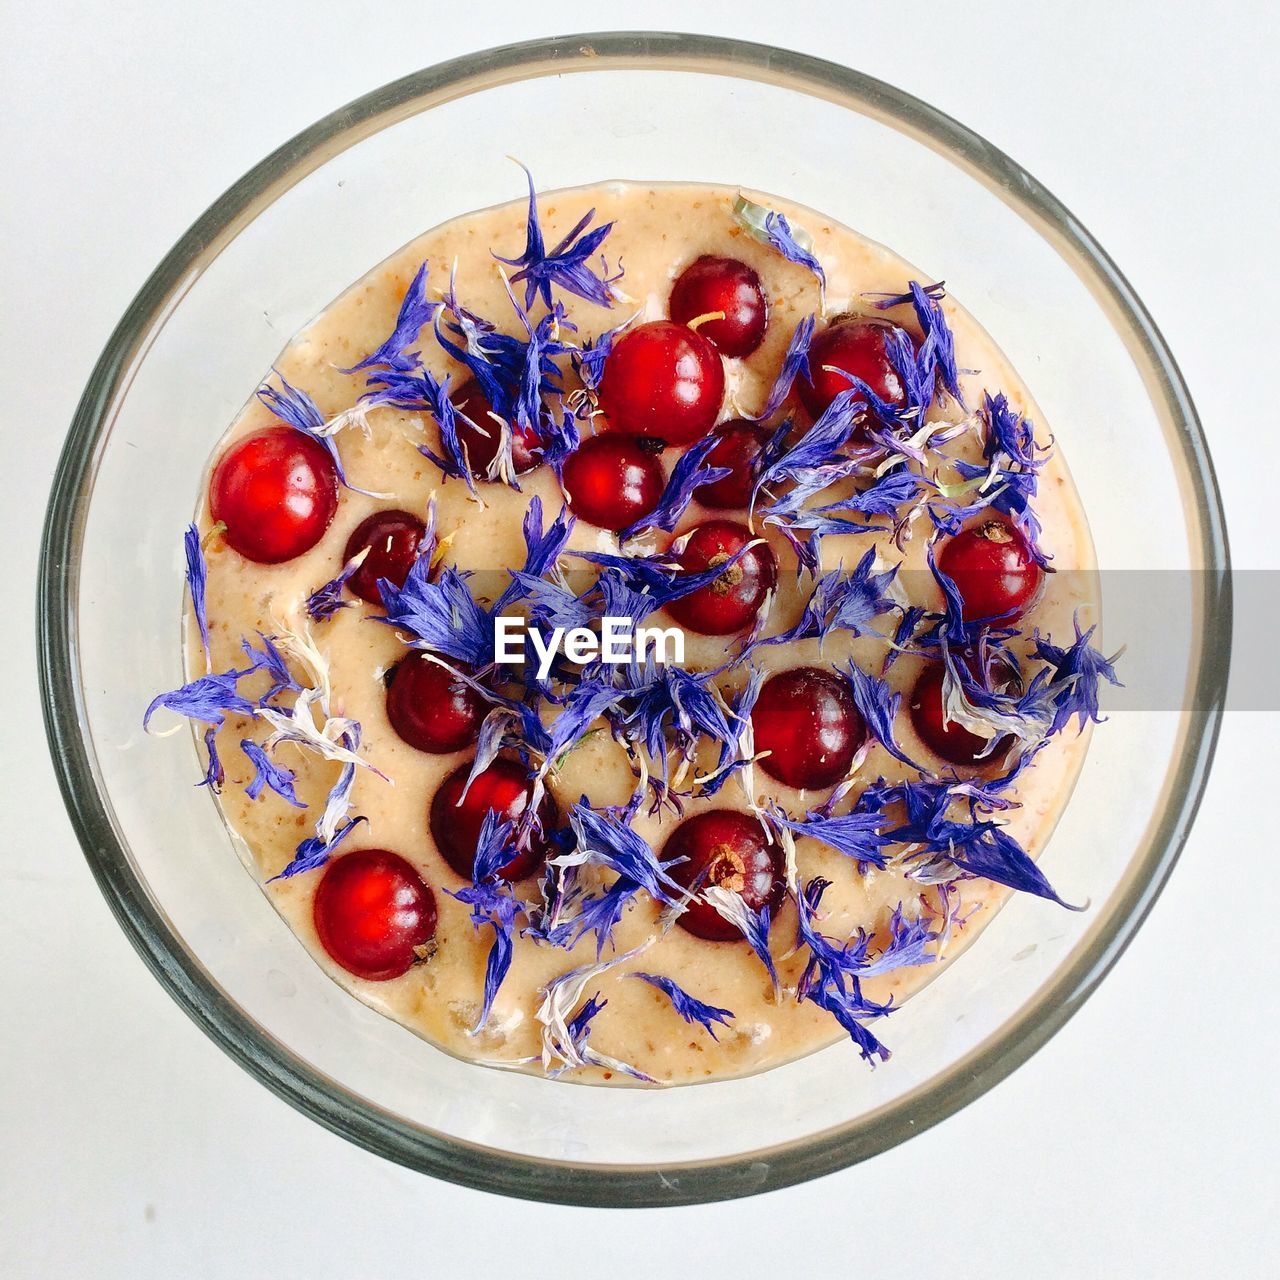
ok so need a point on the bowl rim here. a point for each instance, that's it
(268, 1059)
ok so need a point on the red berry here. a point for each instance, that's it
(739, 450)
(276, 491)
(455, 826)
(858, 347)
(482, 449)
(730, 603)
(726, 285)
(612, 480)
(431, 709)
(807, 720)
(393, 539)
(374, 914)
(729, 850)
(664, 381)
(993, 569)
(946, 738)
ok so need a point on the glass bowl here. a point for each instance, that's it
(313, 217)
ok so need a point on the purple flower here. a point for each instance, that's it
(912, 941)
(209, 699)
(754, 925)
(514, 375)
(919, 382)
(197, 577)
(856, 835)
(937, 350)
(833, 976)
(492, 903)
(854, 601)
(850, 1011)
(677, 704)
(561, 437)
(689, 1008)
(690, 472)
(772, 228)
(952, 626)
(828, 959)
(316, 850)
(971, 843)
(903, 635)
(415, 311)
(419, 389)
(1010, 434)
(272, 661)
(326, 600)
(620, 598)
(564, 1037)
(550, 605)
(795, 363)
(820, 446)
(791, 524)
(568, 265)
(440, 616)
(333, 826)
(584, 705)
(1006, 482)
(998, 488)
(786, 242)
(589, 359)
(292, 405)
(495, 360)
(578, 1028)
(843, 602)
(884, 497)
(653, 571)
(606, 841)
(636, 586)
(542, 550)
(297, 409)
(878, 705)
(266, 773)
(581, 1021)
(214, 774)
(600, 913)
(539, 375)
(984, 849)
(1077, 673)
(877, 413)
(1026, 714)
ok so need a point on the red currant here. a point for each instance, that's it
(946, 738)
(431, 709)
(725, 285)
(807, 720)
(482, 449)
(612, 480)
(859, 348)
(393, 539)
(664, 381)
(730, 850)
(374, 914)
(730, 603)
(276, 492)
(456, 820)
(993, 569)
(738, 449)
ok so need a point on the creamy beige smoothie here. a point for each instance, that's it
(659, 229)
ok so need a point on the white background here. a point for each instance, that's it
(1140, 1142)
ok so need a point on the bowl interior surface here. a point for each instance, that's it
(315, 217)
